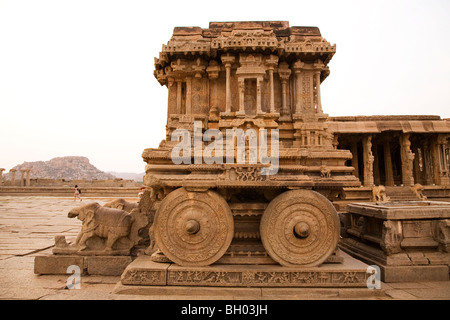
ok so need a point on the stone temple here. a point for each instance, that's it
(214, 214)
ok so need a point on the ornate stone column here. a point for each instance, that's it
(354, 150)
(298, 87)
(1, 175)
(179, 91)
(213, 74)
(389, 173)
(27, 177)
(22, 179)
(227, 60)
(368, 161)
(284, 72)
(258, 96)
(407, 158)
(13, 176)
(241, 92)
(188, 95)
(271, 63)
(319, 100)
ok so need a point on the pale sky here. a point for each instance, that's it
(76, 77)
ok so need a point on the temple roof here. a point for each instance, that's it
(377, 124)
(290, 44)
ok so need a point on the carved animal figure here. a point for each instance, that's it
(122, 204)
(379, 194)
(418, 191)
(108, 223)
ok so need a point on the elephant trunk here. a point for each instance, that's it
(73, 213)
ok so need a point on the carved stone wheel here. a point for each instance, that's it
(193, 228)
(300, 228)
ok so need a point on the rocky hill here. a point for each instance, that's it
(67, 168)
(138, 177)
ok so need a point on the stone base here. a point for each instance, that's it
(402, 267)
(90, 265)
(229, 293)
(145, 272)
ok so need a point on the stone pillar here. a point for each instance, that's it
(389, 173)
(13, 176)
(241, 92)
(227, 60)
(284, 72)
(442, 146)
(27, 177)
(22, 179)
(376, 167)
(1, 175)
(298, 87)
(407, 158)
(319, 100)
(188, 95)
(258, 96)
(213, 73)
(368, 161)
(179, 91)
(271, 64)
(271, 93)
(355, 164)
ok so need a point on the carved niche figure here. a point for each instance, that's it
(442, 234)
(325, 172)
(379, 194)
(391, 237)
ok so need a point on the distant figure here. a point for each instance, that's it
(77, 194)
(141, 193)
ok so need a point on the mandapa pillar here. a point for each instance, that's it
(389, 173)
(368, 161)
(13, 177)
(407, 158)
(1, 175)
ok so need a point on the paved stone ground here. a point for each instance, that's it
(28, 226)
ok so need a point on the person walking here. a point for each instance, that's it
(77, 194)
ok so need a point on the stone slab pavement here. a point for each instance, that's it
(28, 225)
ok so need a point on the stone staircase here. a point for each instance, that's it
(398, 193)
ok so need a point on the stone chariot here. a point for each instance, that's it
(213, 202)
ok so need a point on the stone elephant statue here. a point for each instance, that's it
(107, 223)
(418, 191)
(379, 194)
(122, 204)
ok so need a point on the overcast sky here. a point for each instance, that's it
(76, 77)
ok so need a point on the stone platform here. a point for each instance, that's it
(407, 240)
(143, 276)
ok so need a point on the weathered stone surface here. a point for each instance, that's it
(52, 264)
(107, 266)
